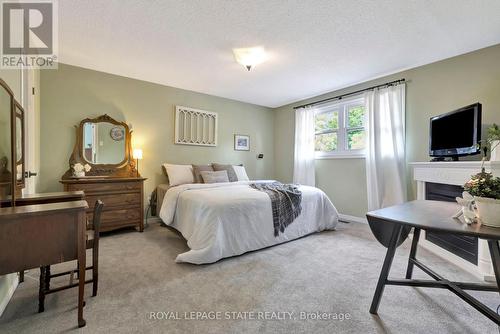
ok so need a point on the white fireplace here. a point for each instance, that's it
(454, 173)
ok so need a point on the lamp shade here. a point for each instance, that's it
(137, 153)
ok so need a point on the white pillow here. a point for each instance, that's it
(241, 173)
(179, 174)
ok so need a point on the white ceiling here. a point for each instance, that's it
(316, 46)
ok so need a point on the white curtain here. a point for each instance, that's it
(385, 153)
(303, 164)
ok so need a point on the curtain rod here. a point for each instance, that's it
(339, 97)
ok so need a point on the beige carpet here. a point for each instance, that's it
(333, 272)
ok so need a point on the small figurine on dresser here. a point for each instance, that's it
(79, 170)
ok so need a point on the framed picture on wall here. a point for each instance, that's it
(241, 143)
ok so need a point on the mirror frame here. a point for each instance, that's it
(13, 155)
(19, 113)
(126, 168)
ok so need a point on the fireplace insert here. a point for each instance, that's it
(462, 246)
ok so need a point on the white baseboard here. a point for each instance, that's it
(10, 292)
(352, 219)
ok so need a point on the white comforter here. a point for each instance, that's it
(226, 219)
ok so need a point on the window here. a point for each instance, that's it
(340, 129)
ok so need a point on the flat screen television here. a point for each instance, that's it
(456, 133)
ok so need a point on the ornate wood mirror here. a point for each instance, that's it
(19, 128)
(104, 144)
(11, 146)
(7, 140)
(6, 147)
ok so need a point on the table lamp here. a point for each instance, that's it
(137, 155)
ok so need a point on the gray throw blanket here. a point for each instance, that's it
(286, 200)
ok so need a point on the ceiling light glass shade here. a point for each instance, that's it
(250, 57)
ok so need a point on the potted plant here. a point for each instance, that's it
(486, 191)
(494, 141)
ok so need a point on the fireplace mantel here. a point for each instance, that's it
(455, 173)
(451, 172)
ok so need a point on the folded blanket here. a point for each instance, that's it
(286, 202)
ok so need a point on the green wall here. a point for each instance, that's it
(431, 90)
(71, 94)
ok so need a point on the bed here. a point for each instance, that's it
(220, 220)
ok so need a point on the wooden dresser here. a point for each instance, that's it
(122, 198)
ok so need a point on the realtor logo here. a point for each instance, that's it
(29, 34)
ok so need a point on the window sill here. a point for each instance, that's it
(340, 156)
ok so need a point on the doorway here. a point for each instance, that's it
(28, 99)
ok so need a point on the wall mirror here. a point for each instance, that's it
(20, 165)
(12, 147)
(105, 145)
(6, 149)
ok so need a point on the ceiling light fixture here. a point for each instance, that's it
(250, 57)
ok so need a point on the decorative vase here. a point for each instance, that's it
(488, 211)
(79, 174)
(495, 150)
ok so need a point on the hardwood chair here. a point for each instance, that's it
(92, 243)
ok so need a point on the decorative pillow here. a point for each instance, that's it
(201, 168)
(229, 169)
(179, 174)
(214, 177)
(241, 173)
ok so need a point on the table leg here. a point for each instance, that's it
(391, 250)
(47, 278)
(81, 268)
(413, 252)
(495, 259)
(41, 291)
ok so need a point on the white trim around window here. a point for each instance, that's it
(342, 107)
(340, 155)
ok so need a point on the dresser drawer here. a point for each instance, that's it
(118, 224)
(118, 217)
(122, 198)
(94, 188)
(113, 201)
